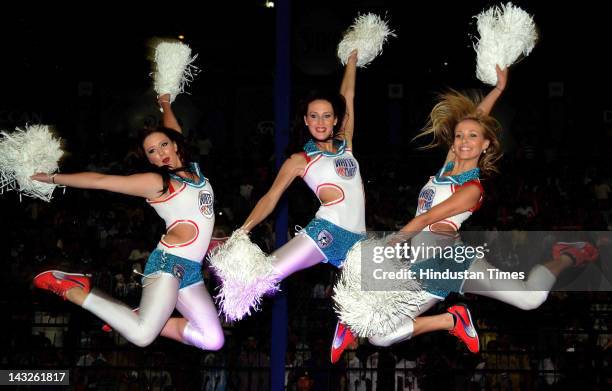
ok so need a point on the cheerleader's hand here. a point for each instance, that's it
(502, 78)
(352, 56)
(43, 177)
(397, 238)
(165, 98)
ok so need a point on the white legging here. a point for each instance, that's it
(525, 294)
(299, 253)
(160, 296)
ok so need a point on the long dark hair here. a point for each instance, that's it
(181, 150)
(300, 134)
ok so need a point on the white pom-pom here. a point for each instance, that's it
(368, 312)
(506, 33)
(173, 68)
(24, 153)
(367, 34)
(246, 275)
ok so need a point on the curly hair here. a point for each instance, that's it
(454, 107)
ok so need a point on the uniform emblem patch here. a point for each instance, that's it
(346, 167)
(205, 202)
(324, 238)
(426, 199)
(178, 271)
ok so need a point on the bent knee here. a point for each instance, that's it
(381, 341)
(142, 339)
(216, 343)
(531, 300)
(210, 338)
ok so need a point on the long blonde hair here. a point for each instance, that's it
(454, 107)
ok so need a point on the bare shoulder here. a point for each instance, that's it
(147, 177)
(295, 164)
(297, 159)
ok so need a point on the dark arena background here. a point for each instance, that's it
(86, 73)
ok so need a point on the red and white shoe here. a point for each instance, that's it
(215, 242)
(343, 337)
(464, 327)
(581, 252)
(107, 329)
(60, 282)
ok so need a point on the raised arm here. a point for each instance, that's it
(450, 156)
(168, 118)
(347, 89)
(462, 200)
(293, 167)
(148, 185)
(489, 101)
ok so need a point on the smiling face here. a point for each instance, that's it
(320, 119)
(161, 151)
(469, 140)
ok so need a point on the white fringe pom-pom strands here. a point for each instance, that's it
(368, 312)
(24, 153)
(368, 34)
(245, 273)
(506, 33)
(173, 68)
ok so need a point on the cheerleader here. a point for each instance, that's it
(329, 168)
(183, 197)
(445, 202)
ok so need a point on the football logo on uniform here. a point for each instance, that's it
(426, 199)
(324, 239)
(205, 202)
(346, 167)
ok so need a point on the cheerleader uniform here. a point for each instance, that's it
(173, 277)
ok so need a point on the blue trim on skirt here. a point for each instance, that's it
(335, 242)
(186, 271)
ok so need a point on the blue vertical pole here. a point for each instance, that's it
(281, 138)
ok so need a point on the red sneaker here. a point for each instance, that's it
(215, 242)
(107, 329)
(60, 282)
(343, 337)
(464, 327)
(580, 252)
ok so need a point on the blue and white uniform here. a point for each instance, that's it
(192, 204)
(173, 276)
(524, 294)
(439, 188)
(340, 223)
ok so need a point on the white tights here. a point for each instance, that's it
(299, 253)
(525, 294)
(160, 296)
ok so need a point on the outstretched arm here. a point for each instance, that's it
(489, 101)
(148, 185)
(168, 118)
(347, 89)
(462, 200)
(292, 167)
